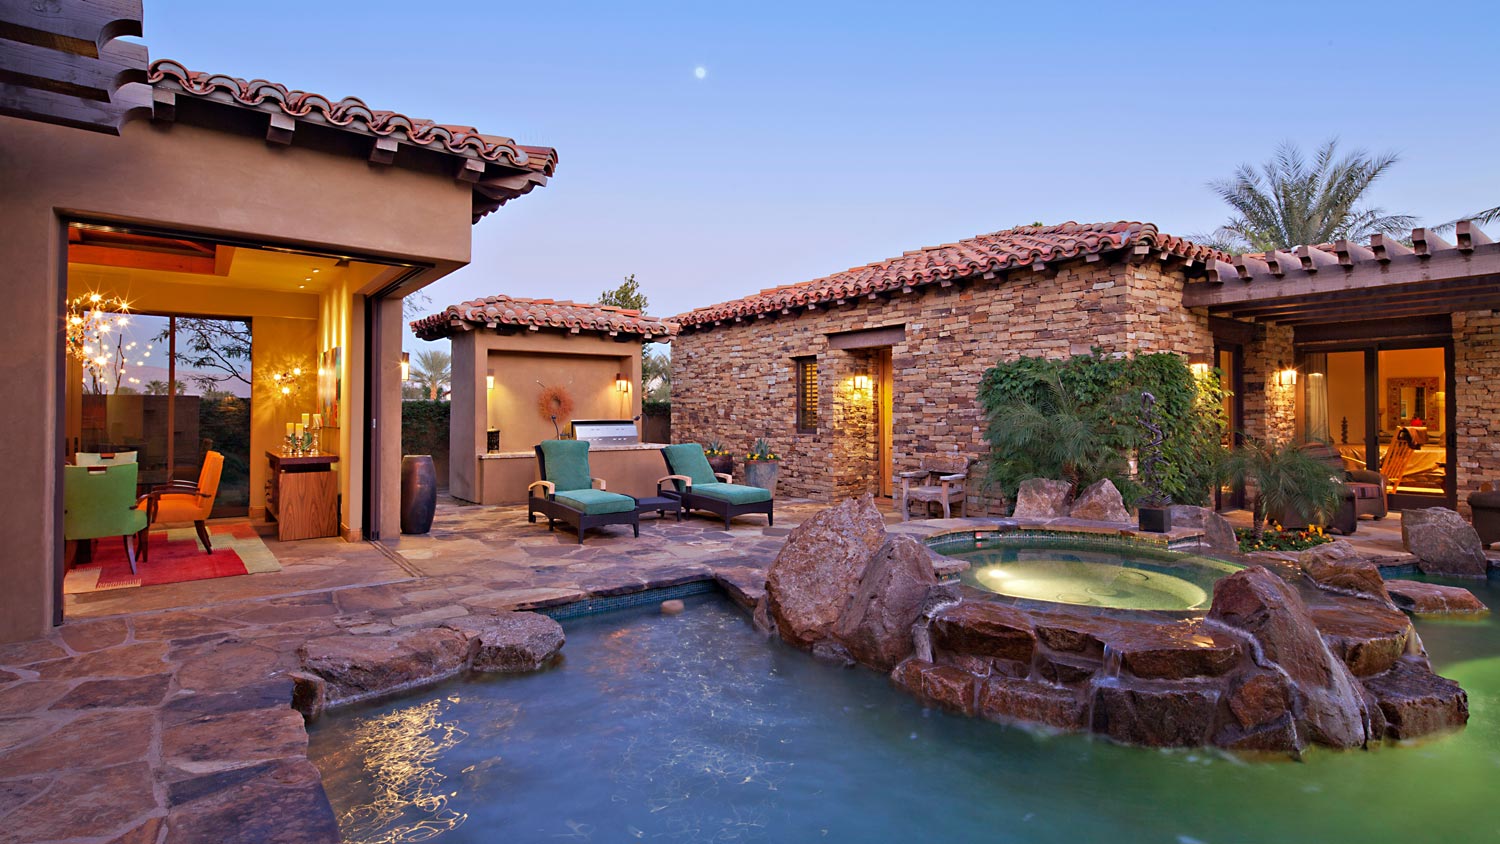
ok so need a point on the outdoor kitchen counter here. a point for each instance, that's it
(632, 469)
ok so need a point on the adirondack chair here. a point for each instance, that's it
(940, 480)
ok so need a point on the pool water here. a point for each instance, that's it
(695, 728)
(1089, 575)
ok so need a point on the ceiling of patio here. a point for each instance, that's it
(124, 259)
(1349, 282)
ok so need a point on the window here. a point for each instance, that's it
(807, 394)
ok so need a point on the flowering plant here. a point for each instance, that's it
(1278, 538)
(761, 451)
(715, 449)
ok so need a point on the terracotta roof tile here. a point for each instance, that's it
(351, 114)
(1019, 247)
(539, 314)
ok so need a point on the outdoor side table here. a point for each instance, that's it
(661, 504)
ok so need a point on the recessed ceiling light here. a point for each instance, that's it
(309, 278)
(301, 286)
(317, 271)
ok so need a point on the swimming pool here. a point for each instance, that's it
(696, 728)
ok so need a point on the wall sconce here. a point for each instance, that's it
(284, 380)
(1286, 376)
(1200, 364)
(489, 380)
(405, 366)
(622, 384)
(861, 383)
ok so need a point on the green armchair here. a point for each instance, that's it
(100, 502)
(568, 493)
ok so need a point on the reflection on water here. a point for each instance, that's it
(1056, 572)
(694, 728)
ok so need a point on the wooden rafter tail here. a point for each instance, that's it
(1470, 236)
(1314, 259)
(1220, 271)
(1350, 253)
(1386, 247)
(1279, 262)
(1425, 242)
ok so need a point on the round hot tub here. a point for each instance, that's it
(1079, 571)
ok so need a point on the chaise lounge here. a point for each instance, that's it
(698, 487)
(569, 494)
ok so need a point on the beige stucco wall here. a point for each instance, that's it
(178, 177)
(583, 364)
(734, 383)
(632, 471)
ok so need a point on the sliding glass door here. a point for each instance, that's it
(171, 389)
(1385, 406)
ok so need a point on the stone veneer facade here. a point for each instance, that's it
(1476, 370)
(734, 382)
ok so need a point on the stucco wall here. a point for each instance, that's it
(176, 177)
(735, 382)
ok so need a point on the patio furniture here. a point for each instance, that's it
(1485, 505)
(569, 494)
(940, 480)
(662, 504)
(103, 458)
(698, 487)
(187, 501)
(100, 502)
(1361, 493)
(1394, 464)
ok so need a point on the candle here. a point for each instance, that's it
(298, 430)
(317, 420)
(290, 429)
(306, 419)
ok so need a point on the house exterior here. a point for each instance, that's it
(304, 217)
(856, 375)
(508, 352)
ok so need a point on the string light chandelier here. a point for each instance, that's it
(96, 338)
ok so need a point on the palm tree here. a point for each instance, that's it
(656, 376)
(432, 372)
(1053, 433)
(1286, 480)
(1290, 202)
(1478, 218)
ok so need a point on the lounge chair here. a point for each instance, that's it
(569, 494)
(696, 484)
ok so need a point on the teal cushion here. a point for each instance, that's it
(689, 459)
(567, 463)
(595, 502)
(733, 493)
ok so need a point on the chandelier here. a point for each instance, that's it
(96, 338)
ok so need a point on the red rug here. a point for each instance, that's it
(175, 557)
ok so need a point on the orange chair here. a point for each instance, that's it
(185, 501)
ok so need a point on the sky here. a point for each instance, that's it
(716, 149)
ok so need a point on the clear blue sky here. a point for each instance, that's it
(823, 136)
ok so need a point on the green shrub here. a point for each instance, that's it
(1078, 418)
(424, 427)
(1286, 481)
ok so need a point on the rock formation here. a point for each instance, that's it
(819, 568)
(875, 627)
(1218, 533)
(1039, 498)
(1443, 542)
(1100, 502)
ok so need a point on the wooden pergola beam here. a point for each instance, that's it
(1396, 271)
(1434, 292)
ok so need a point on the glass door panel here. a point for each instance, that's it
(1412, 414)
(1334, 403)
(213, 406)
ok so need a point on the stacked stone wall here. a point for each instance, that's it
(735, 381)
(1476, 371)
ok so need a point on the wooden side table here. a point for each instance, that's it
(304, 495)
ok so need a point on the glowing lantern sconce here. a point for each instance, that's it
(405, 366)
(622, 384)
(1286, 376)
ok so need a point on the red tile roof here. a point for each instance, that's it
(1025, 246)
(351, 114)
(540, 314)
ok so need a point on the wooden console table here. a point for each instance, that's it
(304, 495)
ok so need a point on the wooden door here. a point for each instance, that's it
(885, 402)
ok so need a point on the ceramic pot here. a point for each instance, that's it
(418, 493)
(762, 473)
(722, 463)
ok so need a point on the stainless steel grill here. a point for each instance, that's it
(606, 431)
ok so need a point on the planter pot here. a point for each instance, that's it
(1155, 519)
(722, 463)
(762, 473)
(418, 493)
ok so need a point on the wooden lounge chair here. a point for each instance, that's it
(696, 484)
(570, 494)
(941, 480)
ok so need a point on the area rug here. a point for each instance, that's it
(175, 556)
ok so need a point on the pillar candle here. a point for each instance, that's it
(306, 419)
(317, 420)
(298, 430)
(290, 429)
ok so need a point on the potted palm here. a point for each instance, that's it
(761, 466)
(1287, 482)
(719, 457)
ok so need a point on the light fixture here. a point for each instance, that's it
(406, 366)
(861, 383)
(489, 380)
(622, 384)
(1200, 364)
(1286, 376)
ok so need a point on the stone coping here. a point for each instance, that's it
(516, 455)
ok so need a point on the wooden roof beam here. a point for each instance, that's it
(1314, 259)
(1470, 236)
(1350, 253)
(1386, 247)
(1362, 279)
(1425, 242)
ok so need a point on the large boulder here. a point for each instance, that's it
(1434, 599)
(511, 642)
(1339, 567)
(876, 627)
(819, 568)
(1443, 542)
(1100, 502)
(1039, 498)
(1266, 608)
(1218, 533)
(1416, 702)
